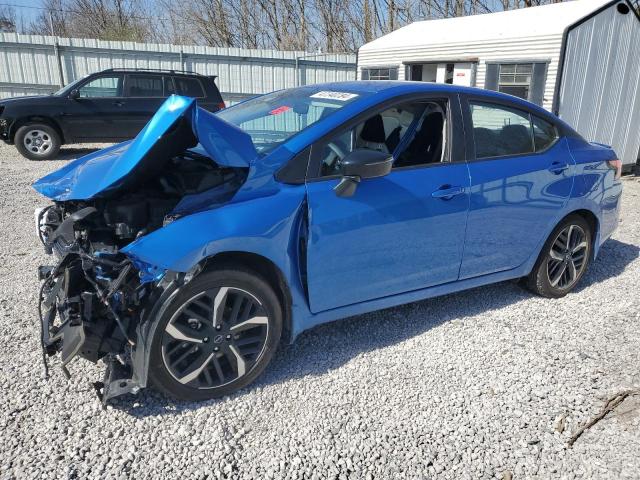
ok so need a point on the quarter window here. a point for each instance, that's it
(515, 79)
(144, 86)
(189, 87)
(387, 73)
(102, 87)
(544, 133)
(500, 131)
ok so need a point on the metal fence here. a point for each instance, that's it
(35, 64)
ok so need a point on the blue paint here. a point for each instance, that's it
(394, 241)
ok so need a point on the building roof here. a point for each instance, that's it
(548, 19)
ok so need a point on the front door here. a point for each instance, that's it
(398, 233)
(521, 177)
(98, 113)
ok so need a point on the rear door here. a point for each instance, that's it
(144, 93)
(521, 176)
(398, 233)
(97, 114)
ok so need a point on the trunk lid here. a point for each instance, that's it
(178, 125)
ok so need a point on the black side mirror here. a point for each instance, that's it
(74, 94)
(360, 165)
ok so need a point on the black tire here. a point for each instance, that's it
(560, 267)
(170, 375)
(37, 141)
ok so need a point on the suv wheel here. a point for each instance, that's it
(217, 336)
(37, 141)
(563, 260)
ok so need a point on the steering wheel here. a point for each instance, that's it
(337, 149)
(339, 153)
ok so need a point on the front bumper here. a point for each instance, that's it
(5, 128)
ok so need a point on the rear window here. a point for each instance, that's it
(189, 87)
(143, 86)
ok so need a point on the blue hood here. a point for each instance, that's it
(179, 124)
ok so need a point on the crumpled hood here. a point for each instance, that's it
(179, 124)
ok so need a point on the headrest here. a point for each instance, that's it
(373, 130)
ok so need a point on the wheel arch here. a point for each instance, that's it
(263, 267)
(592, 219)
(35, 119)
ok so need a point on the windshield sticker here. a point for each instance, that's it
(279, 110)
(341, 96)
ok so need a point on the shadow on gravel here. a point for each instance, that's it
(72, 153)
(329, 346)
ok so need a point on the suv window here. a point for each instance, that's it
(189, 87)
(143, 86)
(108, 86)
(500, 131)
(169, 88)
(415, 132)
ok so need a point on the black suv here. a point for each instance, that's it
(108, 106)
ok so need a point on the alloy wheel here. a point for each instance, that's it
(38, 142)
(567, 257)
(215, 337)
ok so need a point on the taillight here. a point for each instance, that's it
(617, 166)
(221, 105)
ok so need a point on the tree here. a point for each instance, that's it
(102, 19)
(7, 19)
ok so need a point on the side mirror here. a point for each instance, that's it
(74, 94)
(360, 165)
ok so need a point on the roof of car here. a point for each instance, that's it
(401, 87)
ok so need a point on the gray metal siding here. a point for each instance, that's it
(28, 64)
(600, 91)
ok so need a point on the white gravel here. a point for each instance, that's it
(471, 385)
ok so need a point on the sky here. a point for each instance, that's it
(24, 14)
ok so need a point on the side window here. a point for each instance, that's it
(102, 87)
(500, 131)
(143, 86)
(386, 73)
(415, 132)
(189, 87)
(544, 133)
(169, 88)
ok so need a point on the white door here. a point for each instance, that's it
(463, 74)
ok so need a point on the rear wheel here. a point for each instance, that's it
(37, 141)
(217, 336)
(563, 260)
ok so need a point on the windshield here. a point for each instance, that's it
(273, 118)
(68, 88)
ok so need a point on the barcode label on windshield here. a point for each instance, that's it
(341, 96)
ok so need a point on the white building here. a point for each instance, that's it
(579, 59)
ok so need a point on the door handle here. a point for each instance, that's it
(558, 167)
(118, 103)
(447, 192)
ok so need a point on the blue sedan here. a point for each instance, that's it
(186, 255)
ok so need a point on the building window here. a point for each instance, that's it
(515, 79)
(386, 73)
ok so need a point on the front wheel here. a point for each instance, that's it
(217, 335)
(563, 260)
(37, 141)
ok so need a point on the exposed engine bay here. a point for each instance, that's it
(94, 302)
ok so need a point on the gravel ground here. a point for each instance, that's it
(489, 383)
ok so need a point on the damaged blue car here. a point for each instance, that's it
(185, 256)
